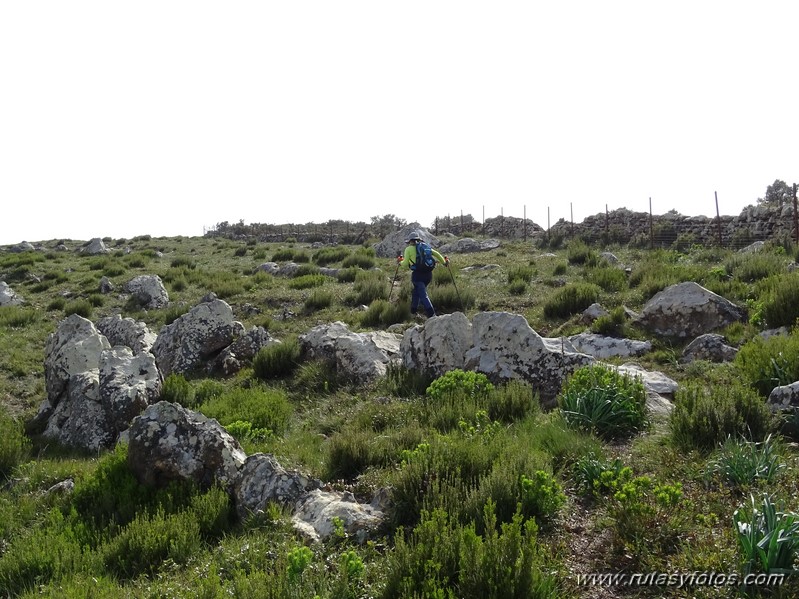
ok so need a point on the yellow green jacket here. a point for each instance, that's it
(409, 257)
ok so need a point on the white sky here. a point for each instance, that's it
(128, 118)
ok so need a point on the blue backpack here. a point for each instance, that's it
(424, 258)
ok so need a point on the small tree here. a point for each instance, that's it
(777, 194)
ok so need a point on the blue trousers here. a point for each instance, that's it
(419, 296)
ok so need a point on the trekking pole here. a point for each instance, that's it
(463, 309)
(394, 280)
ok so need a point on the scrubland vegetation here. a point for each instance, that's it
(494, 495)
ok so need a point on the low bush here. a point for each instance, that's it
(307, 281)
(769, 363)
(277, 360)
(81, 307)
(571, 299)
(781, 304)
(177, 389)
(326, 256)
(705, 416)
(267, 409)
(318, 300)
(440, 555)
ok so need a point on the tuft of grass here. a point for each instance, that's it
(572, 299)
(277, 360)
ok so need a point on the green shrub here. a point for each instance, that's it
(512, 401)
(16, 317)
(283, 255)
(186, 262)
(705, 416)
(517, 287)
(382, 313)
(277, 360)
(96, 300)
(468, 382)
(754, 266)
(307, 281)
(177, 389)
(648, 517)
(359, 260)
(347, 275)
(149, 540)
(523, 273)
(600, 477)
(769, 363)
(441, 555)
(781, 304)
(81, 307)
(316, 377)
(448, 299)
(57, 303)
(318, 300)
(600, 400)
(612, 324)
(541, 496)
(327, 256)
(572, 299)
(404, 382)
(267, 409)
(240, 252)
(609, 278)
(14, 445)
(578, 252)
(175, 311)
(368, 287)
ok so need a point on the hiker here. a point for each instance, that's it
(421, 271)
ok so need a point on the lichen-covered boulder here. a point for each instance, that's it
(262, 479)
(688, 310)
(149, 291)
(196, 338)
(169, 443)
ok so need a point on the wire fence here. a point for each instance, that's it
(620, 226)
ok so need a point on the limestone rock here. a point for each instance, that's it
(196, 338)
(688, 310)
(170, 443)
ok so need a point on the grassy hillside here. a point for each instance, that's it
(495, 496)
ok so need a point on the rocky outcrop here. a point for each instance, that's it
(710, 347)
(126, 331)
(505, 347)
(148, 291)
(394, 244)
(8, 296)
(687, 310)
(467, 245)
(170, 443)
(195, 338)
(262, 479)
(317, 512)
(99, 403)
(242, 351)
(602, 347)
(784, 398)
(95, 247)
(358, 356)
(439, 346)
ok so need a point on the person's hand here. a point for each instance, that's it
(400, 259)
(446, 261)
